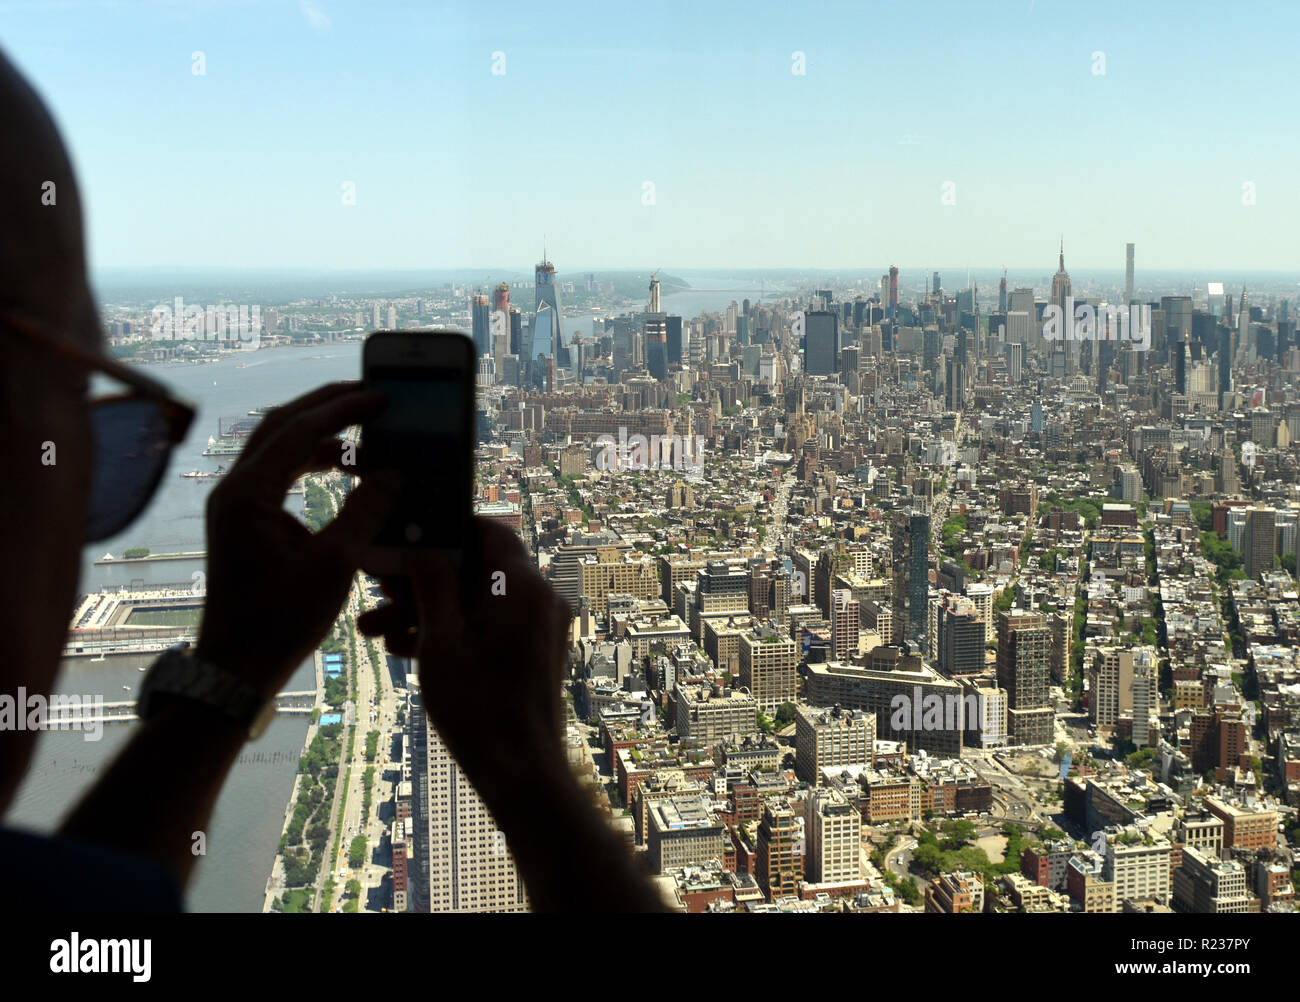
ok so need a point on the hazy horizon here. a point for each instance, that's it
(343, 135)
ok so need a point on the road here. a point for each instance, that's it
(780, 508)
(1015, 800)
(375, 708)
(899, 858)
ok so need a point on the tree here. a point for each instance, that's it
(297, 871)
(785, 713)
(1140, 758)
(927, 858)
(357, 851)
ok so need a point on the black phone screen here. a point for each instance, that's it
(424, 434)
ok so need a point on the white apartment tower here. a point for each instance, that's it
(461, 856)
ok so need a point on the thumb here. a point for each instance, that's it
(359, 520)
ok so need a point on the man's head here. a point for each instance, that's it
(43, 416)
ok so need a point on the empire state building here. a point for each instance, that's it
(1061, 284)
(1062, 354)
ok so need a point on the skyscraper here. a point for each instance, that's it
(673, 327)
(821, 343)
(462, 861)
(1024, 670)
(1061, 351)
(481, 319)
(516, 330)
(1060, 282)
(548, 294)
(846, 620)
(1225, 363)
(544, 333)
(655, 330)
(1015, 355)
(931, 342)
(1261, 542)
(911, 572)
(1021, 315)
(1105, 359)
(834, 838)
(955, 384)
(780, 852)
(1128, 274)
(960, 638)
(1243, 328)
(1177, 313)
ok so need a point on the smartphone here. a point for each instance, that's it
(426, 433)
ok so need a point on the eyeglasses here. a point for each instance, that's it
(133, 433)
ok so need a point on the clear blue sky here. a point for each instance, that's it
(753, 165)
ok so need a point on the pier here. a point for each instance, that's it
(151, 558)
(299, 702)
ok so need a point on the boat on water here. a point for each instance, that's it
(224, 447)
(237, 427)
(220, 471)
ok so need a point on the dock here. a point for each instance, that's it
(299, 702)
(151, 558)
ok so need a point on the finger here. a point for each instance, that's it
(379, 620)
(332, 453)
(396, 625)
(392, 587)
(278, 416)
(326, 416)
(269, 470)
(358, 522)
(498, 545)
(403, 642)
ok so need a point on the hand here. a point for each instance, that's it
(492, 649)
(492, 652)
(274, 587)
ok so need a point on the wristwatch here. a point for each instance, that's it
(179, 674)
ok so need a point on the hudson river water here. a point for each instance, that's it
(245, 828)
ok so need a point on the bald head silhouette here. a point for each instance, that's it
(44, 423)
